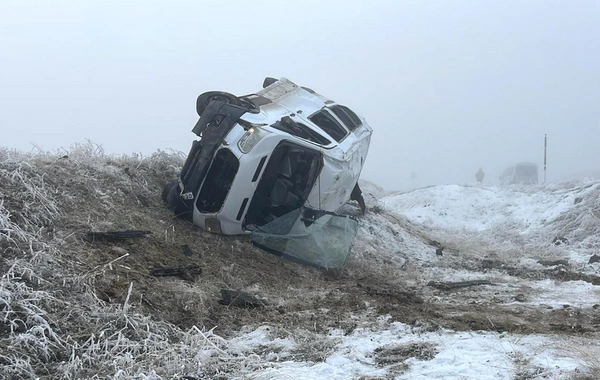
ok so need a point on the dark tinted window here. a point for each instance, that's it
(327, 123)
(347, 116)
(294, 128)
(285, 183)
(218, 181)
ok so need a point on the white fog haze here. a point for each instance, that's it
(272, 249)
(448, 87)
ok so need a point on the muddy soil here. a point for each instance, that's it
(298, 296)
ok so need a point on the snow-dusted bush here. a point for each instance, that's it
(581, 224)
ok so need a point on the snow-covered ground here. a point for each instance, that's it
(375, 353)
(471, 208)
(519, 222)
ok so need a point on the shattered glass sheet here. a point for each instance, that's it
(309, 237)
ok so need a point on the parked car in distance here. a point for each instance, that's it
(264, 155)
(521, 173)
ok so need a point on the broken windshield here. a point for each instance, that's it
(310, 237)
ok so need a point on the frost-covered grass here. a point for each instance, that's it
(49, 329)
(74, 310)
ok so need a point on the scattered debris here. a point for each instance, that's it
(187, 250)
(240, 299)
(520, 298)
(116, 235)
(350, 329)
(439, 248)
(119, 251)
(434, 243)
(559, 240)
(594, 259)
(377, 209)
(456, 285)
(186, 273)
(551, 263)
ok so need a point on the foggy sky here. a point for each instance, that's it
(448, 86)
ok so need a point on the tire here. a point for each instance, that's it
(205, 99)
(167, 189)
(171, 195)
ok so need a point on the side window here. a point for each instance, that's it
(294, 128)
(327, 123)
(347, 116)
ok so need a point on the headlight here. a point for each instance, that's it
(212, 225)
(251, 138)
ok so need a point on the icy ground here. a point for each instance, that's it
(517, 222)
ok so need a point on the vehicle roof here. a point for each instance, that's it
(285, 96)
(525, 164)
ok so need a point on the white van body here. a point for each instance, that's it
(263, 155)
(521, 173)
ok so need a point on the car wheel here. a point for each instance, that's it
(171, 195)
(167, 189)
(205, 99)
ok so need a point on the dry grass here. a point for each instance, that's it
(53, 324)
(77, 309)
(74, 309)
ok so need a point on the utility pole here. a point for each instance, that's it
(413, 176)
(545, 149)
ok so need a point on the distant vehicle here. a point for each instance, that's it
(522, 173)
(263, 155)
